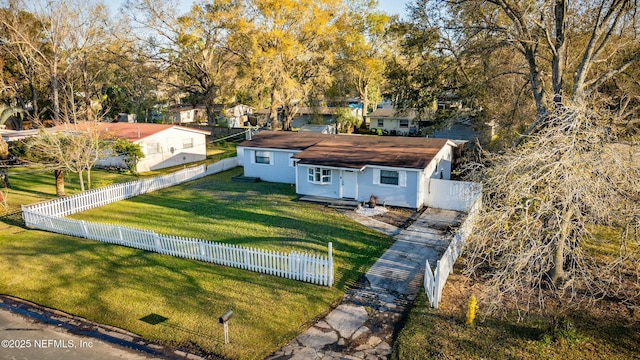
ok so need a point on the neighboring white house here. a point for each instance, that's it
(393, 121)
(128, 118)
(184, 113)
(396, 170)
(163, 145)
(320, 129)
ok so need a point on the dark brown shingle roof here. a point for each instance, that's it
(352, 151)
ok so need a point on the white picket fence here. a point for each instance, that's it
(49, 216)
(106, 195)
(434, 281)
(314, 269)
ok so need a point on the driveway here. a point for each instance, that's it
(362, 326)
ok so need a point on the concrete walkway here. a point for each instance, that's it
(363, 325)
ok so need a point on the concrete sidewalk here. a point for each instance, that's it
(362, 326)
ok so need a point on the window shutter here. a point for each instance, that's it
(252, 154)
(402, 178)
(376, 176)
(271, 157)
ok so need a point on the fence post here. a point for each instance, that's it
(436, 287)
(330, 266)
(85, 232)
(247, 263)
(156, 239)
(203, 253)
(302, 267)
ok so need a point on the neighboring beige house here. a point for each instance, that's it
(163, 145)
(394, 122)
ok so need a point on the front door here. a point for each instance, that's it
(349, 184)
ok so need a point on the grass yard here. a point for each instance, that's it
(606, 330)
(119, 286)
(30, 185)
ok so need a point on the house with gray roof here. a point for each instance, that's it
(397, 170)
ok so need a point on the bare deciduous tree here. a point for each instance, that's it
(543, 202)
(76, 150)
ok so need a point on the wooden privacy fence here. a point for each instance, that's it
(434, 281)
(49, 216)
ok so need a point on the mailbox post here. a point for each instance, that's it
(224, 321)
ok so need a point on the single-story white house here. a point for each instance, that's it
(396, 170)
(163, 145)
(393, 121)
(13, 135)
(185, 113)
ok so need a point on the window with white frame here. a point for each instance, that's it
(153, 148)
(389, 177)
(263, 157)
(319, 175)
(187, 143)
(404, 123)
(380, 123)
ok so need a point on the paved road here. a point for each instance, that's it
(22, 338)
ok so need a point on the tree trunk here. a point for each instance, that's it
(289, 113)
(536, 82)
(538, 93)
(89, 179)
(557, 74)
(557, 271)
(211, 119)
(85, 83)
(365, 104)
(273, 113)
(55, 90)
(81, 180)
(34, 97)
(4, 177)
(59, 175)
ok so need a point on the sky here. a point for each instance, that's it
(393, 7)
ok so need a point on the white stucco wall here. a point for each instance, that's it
(172, 149)
(402, 195)
(304, 187)
(392, 124)
(451, 195)
(280, 169)
(438, 168)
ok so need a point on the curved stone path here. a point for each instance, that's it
(363, 325)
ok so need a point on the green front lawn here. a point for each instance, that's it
(119, 286)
